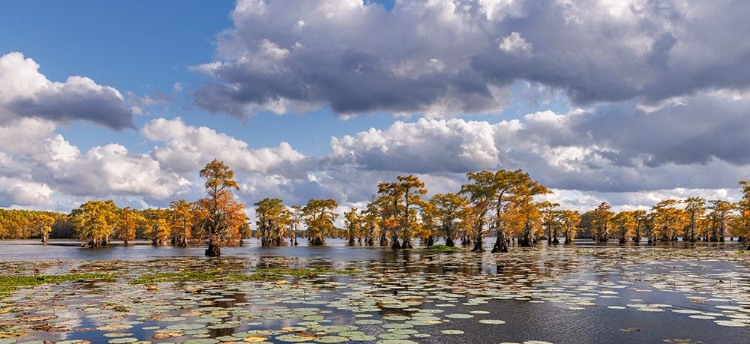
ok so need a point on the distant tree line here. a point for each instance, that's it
(26, 224)
(505, 204)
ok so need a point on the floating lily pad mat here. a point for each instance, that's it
(544, 294)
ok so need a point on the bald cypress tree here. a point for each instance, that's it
(224, 217)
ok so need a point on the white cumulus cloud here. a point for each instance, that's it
(188, 148)
(26, 93)
(447, 58)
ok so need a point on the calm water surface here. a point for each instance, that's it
(581, 293)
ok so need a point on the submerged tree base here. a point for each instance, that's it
(396, 245)
(213, 250)
(383, 242)
(500, 247)
(406, 244)
(478, 247)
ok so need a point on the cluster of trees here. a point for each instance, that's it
(501, 203)
(692, 219)
(216, 220)
(276, 222)
(21, 224)
(506, 204)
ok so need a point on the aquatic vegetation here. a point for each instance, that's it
(262, 274)
(120, 308)
(9, 283)
(443, 248)
(415, 296)
(184, 276)
(218, 275)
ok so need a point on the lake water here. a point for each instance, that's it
(579, 293)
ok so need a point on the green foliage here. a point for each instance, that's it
(265, 274)
(15, 282)
(504, 202)
(443, 248)
(218, 275)
(219, 178)
(95, 221)
(273, 220)
(449, 212)
(601, 221)
(25, 224)
(120, 308)
(185, 276)
(353, 224)
(319, 216)
(400, 202)
(222, 218)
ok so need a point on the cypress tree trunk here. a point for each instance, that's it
(501, 245)
(395, 244)
(526, 240)
(637, 237)
(549, 235)
(449, 242)
(406, 244)
(213, 250)
(317, 241)
(383, 239)
(555, 241)
(478, 245)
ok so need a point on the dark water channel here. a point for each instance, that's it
(580, 293)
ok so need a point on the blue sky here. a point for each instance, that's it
(146, 48)
(326, 98)
(136, 46)
(139, 46)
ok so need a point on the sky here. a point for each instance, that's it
(628, 102)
